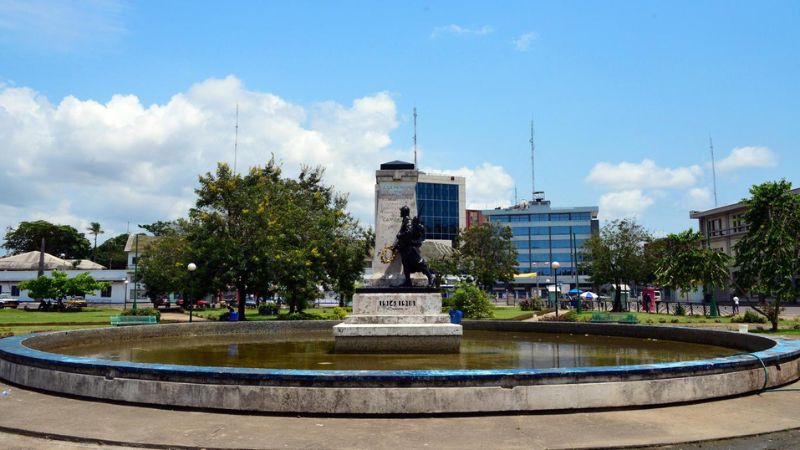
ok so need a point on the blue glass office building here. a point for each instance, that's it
(542, 234)
(441, 205)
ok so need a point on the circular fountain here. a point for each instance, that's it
(748, 364)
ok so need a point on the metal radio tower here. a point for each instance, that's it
(236, 140)
(533, 164)
(713, 169)
(415, 138)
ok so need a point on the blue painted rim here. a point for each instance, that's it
(12, 349)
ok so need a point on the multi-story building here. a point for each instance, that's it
(475, 218)
(543, 234)
(441, 205)
(723, 227)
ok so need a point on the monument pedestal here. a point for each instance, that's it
(397, 320)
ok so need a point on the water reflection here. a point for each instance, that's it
(479, 350)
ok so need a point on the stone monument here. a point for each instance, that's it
(395, 313)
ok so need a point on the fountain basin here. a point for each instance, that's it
(763, 363)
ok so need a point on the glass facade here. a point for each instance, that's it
(437, 208)
(541, 238)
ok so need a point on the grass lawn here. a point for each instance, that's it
(24, 329)
(252, 313)
(511, 313)
(18, 317)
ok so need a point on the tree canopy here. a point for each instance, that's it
(96, 230)
(484, 253)
(688, 264)
(617, 256)
(111, 253)
(59, 286)
(261, 232)
(59, 239)
(768, 256)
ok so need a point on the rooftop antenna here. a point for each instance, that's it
(533, 164)
(415, 137)
(713, 169)
(236, 140)
(516, 202)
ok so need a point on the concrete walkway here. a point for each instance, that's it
(76, 423)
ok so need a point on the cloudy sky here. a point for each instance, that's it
(109, 110)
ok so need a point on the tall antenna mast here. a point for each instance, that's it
(713, 169)
(533, 164)
(415, 138)
(236, 140)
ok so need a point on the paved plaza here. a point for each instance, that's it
(31, 419)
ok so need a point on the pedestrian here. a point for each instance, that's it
(735, 305)
(646, 302)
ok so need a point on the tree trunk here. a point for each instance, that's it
(240, 290)
(776, 312)
(617, 298)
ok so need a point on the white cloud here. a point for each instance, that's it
(748, 158)
(81, 160)
(523, 42)
(457, 30)
(699, 196)
(488, 185)
(644, 175)
(623, 204)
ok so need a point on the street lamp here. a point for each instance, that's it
(555, 265)
(125, 304)
(191, 267)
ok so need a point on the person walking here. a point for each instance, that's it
(735, 305)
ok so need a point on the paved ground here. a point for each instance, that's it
(102, 425)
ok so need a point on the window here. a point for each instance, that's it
(106, 293)
(581, 216)
(559, 217)
(539, 217)
(519, 231)
(582, 229)
(739, 225)
(540, 231)
(559, 230)
(14, 291)
(522, 244)
(521, 218)
(540, 244)
(561, 244)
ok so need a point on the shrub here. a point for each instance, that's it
(749, 317)
(526, 305)
(142, 312)
(472, 301)
(662, 320)
(268, 309)
(675, 320)
(569, 316)
(224, 317)
(680, 310)
(339, 312)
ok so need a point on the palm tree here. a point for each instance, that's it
(96, 230)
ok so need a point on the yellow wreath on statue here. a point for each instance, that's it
(387, 254)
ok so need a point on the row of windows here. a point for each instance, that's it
(547, 272)
(551, 217)
(437, 207)
(546, 231)
(544, 259)
(548, 244)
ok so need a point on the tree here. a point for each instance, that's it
(486, 254)
(260, 232)
(768, 256)
(472, 301)
(687, 264)
(59, 286)
(96, 230)
(162, 268)
(59, 239)
(111, 253)
(617, 255)
(346, 266)
(161, 227)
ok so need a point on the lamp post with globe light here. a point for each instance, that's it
(191, 267)
(555, 265)
(125, 303)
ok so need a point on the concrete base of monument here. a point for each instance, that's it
(397, 338)
(397, 320)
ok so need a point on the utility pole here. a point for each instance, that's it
(713, 169)
(533, 164)
(415, 138)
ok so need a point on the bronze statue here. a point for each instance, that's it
(409, 240)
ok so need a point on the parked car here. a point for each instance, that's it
(75, 303)
(6, 301)
(250, 303)
(198, 304)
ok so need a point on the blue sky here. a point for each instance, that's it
(109, 110)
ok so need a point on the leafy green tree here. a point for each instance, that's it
(260, 232)
(162, 227)
(163, 270)
(346, 265)
(486, 254)
(111, 253)
(59, 286)
(472, 301)
(617, 255)
(687, 264)
(59, 239)
(96, 230)
(768, 256)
